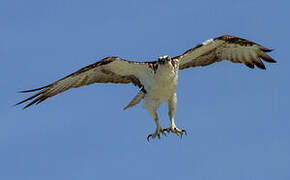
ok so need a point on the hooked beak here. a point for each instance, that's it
(162, 61)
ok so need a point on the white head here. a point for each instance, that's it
(164, 59)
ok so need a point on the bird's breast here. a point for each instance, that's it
(164, 84)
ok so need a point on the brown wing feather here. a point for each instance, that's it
(107, 70)
(234, 49)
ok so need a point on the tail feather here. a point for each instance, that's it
(135, 100)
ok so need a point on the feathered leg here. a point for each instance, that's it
(158, 127)
(171, 112)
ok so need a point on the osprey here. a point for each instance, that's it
(157, 80)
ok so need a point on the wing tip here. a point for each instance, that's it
(32, 90)
(259, 64)
(267, 58)
(267, 50)
(39, 97)
(250, 65)
(34, 102)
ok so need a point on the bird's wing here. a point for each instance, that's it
(107, 70)
(234, 49)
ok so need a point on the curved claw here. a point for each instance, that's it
(183, 131)
(148, 137)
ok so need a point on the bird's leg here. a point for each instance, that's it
(158, 128)
(171, 112)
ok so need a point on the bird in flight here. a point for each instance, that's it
(157, 80)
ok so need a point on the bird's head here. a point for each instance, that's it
(164, 59)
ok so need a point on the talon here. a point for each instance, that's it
(148, 137)
(183, 131)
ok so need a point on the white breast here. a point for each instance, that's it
(162, 86)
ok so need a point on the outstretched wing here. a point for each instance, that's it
(234, 49)
(107, 70)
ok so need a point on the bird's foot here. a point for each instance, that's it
(157, 133)
(175, 130)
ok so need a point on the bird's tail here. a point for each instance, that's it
(136, 99)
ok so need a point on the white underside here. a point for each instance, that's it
(161, 88)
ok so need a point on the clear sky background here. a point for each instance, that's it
(237, 119)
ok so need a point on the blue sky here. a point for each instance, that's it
(237, 119)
